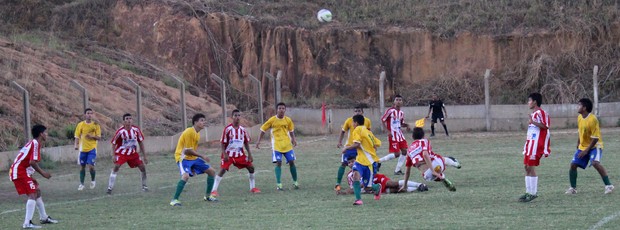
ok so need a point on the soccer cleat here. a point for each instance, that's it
(529, 197)
(145, 188)
(378, 166)
(109, 192)
(449, 185)
(255, 190)
(378, 193)
(571, 191)
(523, 197)
(80, 187)
(30, 225)
(432, 134)
(175, 202)
(214, 193)
(358, 202)
(279, 187)
(399, 172)
(295, 185)
(93, 184)
(337, 188)
(210, 198)
(457, 163)
(422, 188)
(609, 189)
(49, 220)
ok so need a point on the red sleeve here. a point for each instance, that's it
(224, 139)
(247, 137)
(35, 151)
(386, 115)
(113, 140)
(140, 135)
(409, 162)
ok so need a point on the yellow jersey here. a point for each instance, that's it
(83, 128)
(348, 128)
(188, 140)
(588, 129)
(366, 153)
(280, 129)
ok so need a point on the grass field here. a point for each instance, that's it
(488, 186)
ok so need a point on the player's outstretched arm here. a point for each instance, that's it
(36, 167)
(340, 139)
(352, 146)
(407, 174)
(260, 136)
(224, 155)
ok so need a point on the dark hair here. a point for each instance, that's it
(126, 115)
(197, 117)
(234, 111)
(360, 108)
(37, 130)
(536, 97)
(87, 109)
(280, 104)
(397, 96)
(359, 119)
(418, 133)
(586, 103)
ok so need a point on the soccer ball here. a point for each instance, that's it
(324, 15)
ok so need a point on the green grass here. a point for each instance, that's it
(488, 186)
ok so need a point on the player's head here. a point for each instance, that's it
(534, 100)
(418, 133)
(38, 132)
(398, 100)
(236, 116)
(358, 110)
(198, 120)
(585, 105)
(88, 113)
(358, 120)
(350, 162)
(435, 97)
(280, 109)
(127, 119)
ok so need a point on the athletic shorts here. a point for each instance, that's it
(132, 160)
(349, 154)
(88, 158)
(27, 185)
(396, 146)
(595, 154)
(438, 166)
(532, 159)
(366, 172)
(193, 167)
(239, 162)
(436, 117)
(277, 156)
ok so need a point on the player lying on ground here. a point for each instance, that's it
(387, 185)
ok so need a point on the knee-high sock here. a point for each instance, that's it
(357, 190)
(606, 180)
(144, 179)
(252, 180)
(341, 170)
(216, 184)
(92, 175)
(433, 129)
(528, 186)
(449, 161)
(387, 157)
(30, 205)
(294, 173)
(401, 162)
(278, 174)
(112, 180)
(445, 129)
(572, 174)
(409, 183)
(41, 207)
(534, 184)
(180, 187)
(210, 181)
(82, 175)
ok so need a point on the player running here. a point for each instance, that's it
(347, 127)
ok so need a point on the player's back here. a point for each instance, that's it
(21, 165)
(366, 153)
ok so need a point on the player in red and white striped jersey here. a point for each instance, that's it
(536, 145)
(387, 185)
(124, 144)
(21, 171)
(234, 138)
(393, 119)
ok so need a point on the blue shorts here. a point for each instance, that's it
(277, 156)
(595, 154)
(349, 154)
(193, 167)
(366, 172)
(88, 158)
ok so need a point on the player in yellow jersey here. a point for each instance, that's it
(87, 133)
(365, 165)
(282, 142)
(589, 147)
(347, 127)
(191, 162)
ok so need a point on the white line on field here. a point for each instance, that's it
(107, 196)
(605, 220)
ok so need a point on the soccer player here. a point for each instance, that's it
(364, 167)
(352, 153)
(420, 155)
(282, 142)
(21, 171)
(234, 138)
(124, 144)
(387, 185)
(191, 162)
(536, 146)
(589, 147)
(438, 110)
(393, 119)
(87, 133)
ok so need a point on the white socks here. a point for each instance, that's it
(449, 162)
(30, 205)
(409, 183)
(216, 183)
(401, 162)
(112, 180)
(252, 181)
(531, 184)
(41, 207)
(387, 158)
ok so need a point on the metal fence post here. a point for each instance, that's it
(595, 85)
(78, 86)
(138, 101)
(279, 86)
(223, 99)
(260, 98)
(487, 99)
(26, 99)
(381, 94)
(183, 108)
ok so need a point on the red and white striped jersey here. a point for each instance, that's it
(234, 139)
(394, 118)
(21, 166)
(414, 152)
(350, 179)
(125, 142)
(538, 140)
